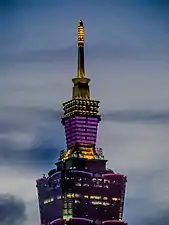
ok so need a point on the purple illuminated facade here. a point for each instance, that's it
(81, 190)
(81, 129)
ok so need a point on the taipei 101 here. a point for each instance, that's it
(84, 115)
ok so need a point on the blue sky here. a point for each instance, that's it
(126, 55)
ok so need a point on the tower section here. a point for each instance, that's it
(81, 113)
(81, 189)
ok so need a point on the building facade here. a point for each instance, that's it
(81, 190)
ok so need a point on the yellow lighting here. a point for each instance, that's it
(80, 34)
(116, 199)
(67, 154)
(67, 217)
(69, 195)
(106, 203)
(48, 200)
(77, 195)
(86, 196)
(97, 203)
(86, 152)
(105, 198)
(95, 197)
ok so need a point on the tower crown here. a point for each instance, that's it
(81, 116)
(81, 190)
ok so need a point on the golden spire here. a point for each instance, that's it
(81, 67)
(81, 83)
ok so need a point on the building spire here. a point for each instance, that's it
(81, 67)
(81, 82)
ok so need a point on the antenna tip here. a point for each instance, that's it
(80, 23)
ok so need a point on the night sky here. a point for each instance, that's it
(127, 54)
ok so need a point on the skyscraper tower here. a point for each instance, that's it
(81, 190)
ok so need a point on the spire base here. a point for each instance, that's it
(83, 80)
(81, 88)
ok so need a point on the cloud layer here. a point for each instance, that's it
(32, 135)
(127, 53)
(142, 116)
(12, 210)
(29, 136)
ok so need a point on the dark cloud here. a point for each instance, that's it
(4, 4)
(30, 136)
(122, 50)
(34, 136)
(12, 210)
(145, 203)
(49, 55)
(21, 118)
(147, 215)
(162, 218)
(45, 55)
(35, 157)
(140, 116)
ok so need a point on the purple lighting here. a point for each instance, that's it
(77, 124)
(56, 220)
(113, 221)
(81, 171)
(93, 119)
(79, 218)
(80, 190)
(112, 174)
(92, 122)
(40, 179)
(55, 174)
(80, 117)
